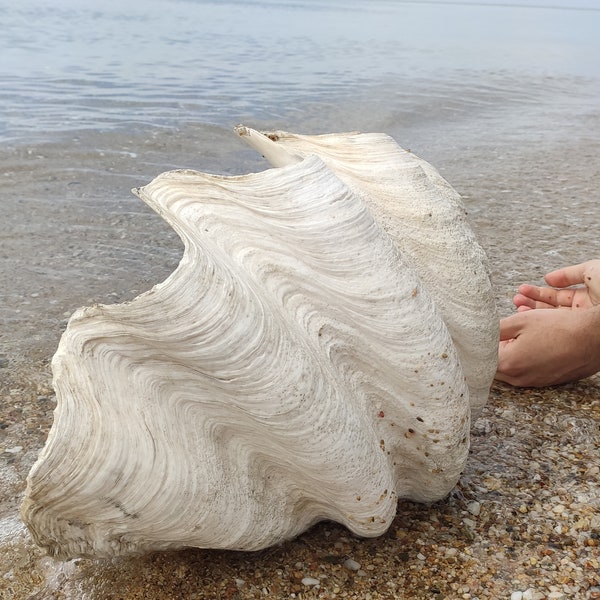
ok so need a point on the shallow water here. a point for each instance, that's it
(69, 66)
(503, 99)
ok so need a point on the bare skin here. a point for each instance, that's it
(559, 343)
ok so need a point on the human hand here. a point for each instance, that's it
(585, 275)
(548, 347)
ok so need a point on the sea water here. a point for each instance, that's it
(69, 65)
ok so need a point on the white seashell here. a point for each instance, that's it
(426, 219)
(293, 368)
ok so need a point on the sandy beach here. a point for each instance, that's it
(525, 517)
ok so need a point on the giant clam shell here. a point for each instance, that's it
(300, 364)
(426, 219)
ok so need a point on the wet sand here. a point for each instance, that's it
(525, 517)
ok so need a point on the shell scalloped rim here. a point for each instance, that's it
(318, 353)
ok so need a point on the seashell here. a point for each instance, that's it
(426, 219)
(297, 366)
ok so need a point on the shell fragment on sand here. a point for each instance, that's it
(317, 354)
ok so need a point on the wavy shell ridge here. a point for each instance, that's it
(293, 368)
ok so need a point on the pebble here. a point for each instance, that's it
(516, 596)
(310, 581)
(352, 565)
(532, 594)
(474, 508)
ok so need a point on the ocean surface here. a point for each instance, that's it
(99, 97)
(68, 66)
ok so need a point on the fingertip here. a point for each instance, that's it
(518, 299)
(555, 278)
(566, 276)
(523, 300)
(528, 291)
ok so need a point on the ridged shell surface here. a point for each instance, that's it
(293, 368)
(426, 219)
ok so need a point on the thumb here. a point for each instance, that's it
(511, 327)
(566, 276)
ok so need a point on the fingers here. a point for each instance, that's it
(570, 293)
(567, 275)
(532, 296)
(523, 301)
